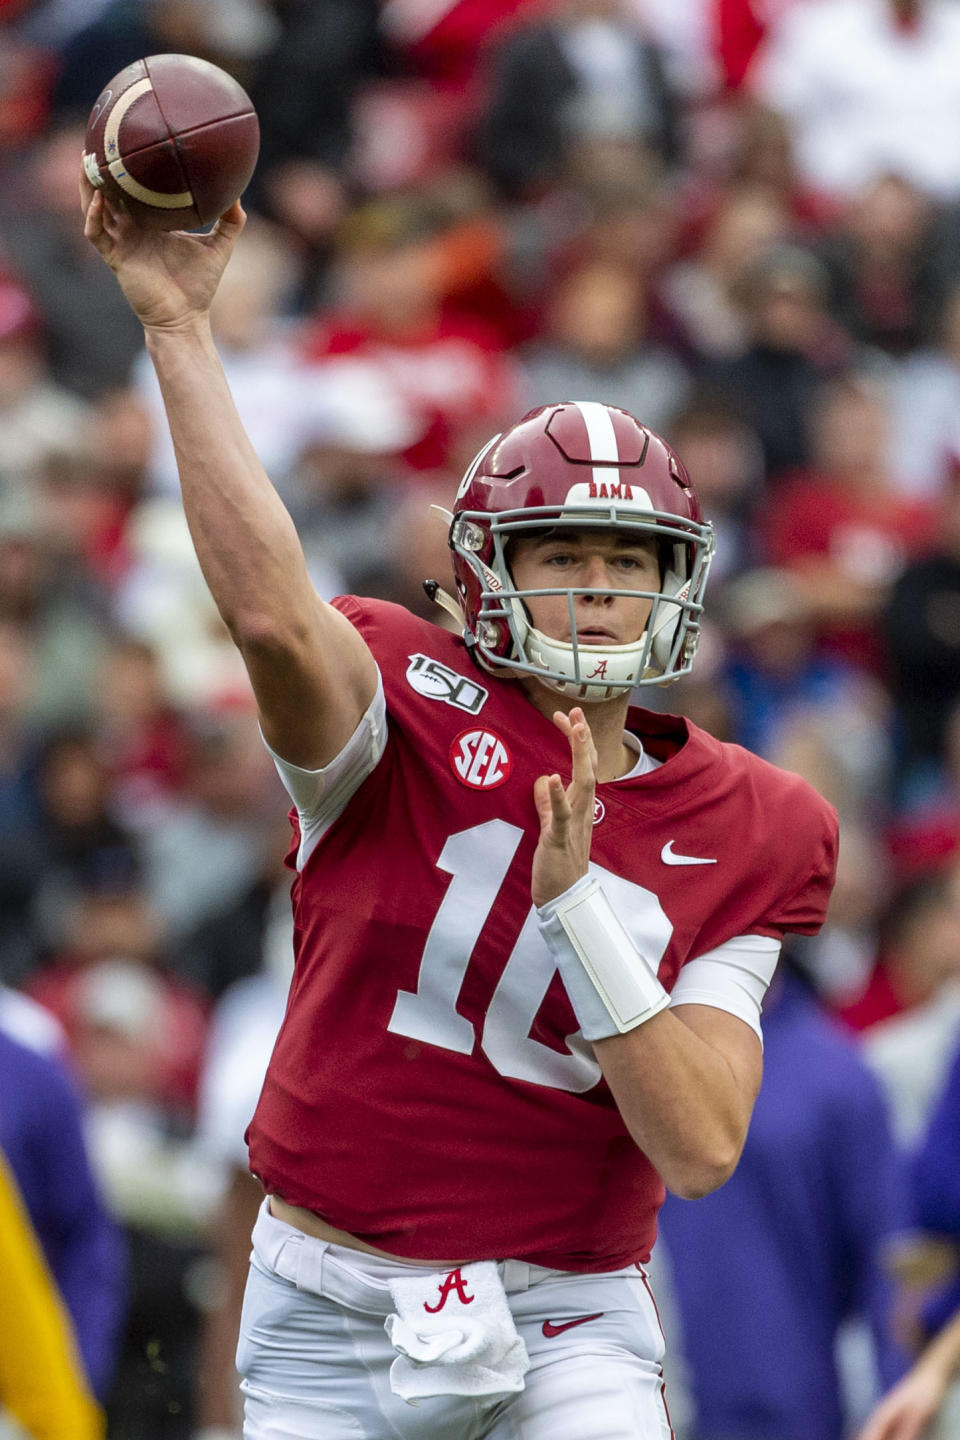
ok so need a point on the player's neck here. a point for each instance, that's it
(606, 718)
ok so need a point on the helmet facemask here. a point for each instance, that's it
(507, 642)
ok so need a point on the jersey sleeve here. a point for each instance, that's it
(733, 977)
(802, 908)
(321, 796)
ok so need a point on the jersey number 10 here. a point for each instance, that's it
(479, 859)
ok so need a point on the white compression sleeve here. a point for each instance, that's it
(611, 987)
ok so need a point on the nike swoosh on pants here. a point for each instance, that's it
(550, 1328)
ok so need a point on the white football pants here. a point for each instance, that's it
(315, 1359)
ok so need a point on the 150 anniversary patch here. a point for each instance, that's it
(436, 681)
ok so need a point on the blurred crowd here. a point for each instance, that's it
(738, 220)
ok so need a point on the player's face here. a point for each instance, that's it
(592, 561)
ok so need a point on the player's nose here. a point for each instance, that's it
(594, 575)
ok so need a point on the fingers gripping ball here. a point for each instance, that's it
(173, 140)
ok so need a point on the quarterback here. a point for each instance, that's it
(533, 926)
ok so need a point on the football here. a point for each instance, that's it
(173, 140)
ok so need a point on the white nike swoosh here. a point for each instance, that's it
(668, 857)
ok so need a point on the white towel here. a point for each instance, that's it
(454, 1335)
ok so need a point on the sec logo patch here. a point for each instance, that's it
(480, 759)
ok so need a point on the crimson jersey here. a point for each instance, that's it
(429, 1091)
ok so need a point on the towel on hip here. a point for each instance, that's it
(454, 1335)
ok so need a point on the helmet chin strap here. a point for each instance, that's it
(435, 592)
(432, 588)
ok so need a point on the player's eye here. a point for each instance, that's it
(631, 563)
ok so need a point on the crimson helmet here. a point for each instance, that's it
(579, 464)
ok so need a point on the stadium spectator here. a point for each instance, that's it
(89, 341)
(160, 599)
(96, 39)
(228, 945)
(48, 593)
(19, 848)
(909, 1011)
(584, 75)
(762, 158)
(786, 697)
(303, 86)
(925, 399)
(38, 418)
(594, 345)
(65, 836)
(843, 529)
(936, 1166)
(793, 346)
(41, 1382)
(923, 833)
(880, 263)
(42, 1140)
(841, 958)
(768, 1270)
(136, 1034)
(212, 844)
(445, 373)
(927, 1263)
(920, 625)
(885, 112)
(726, 463)
(140, 737)
(703, 291)
(447, 44)
(349, 487)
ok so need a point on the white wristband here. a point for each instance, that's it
(611, 987)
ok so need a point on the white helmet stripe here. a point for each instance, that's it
(601, 435)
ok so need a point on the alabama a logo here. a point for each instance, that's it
(451, 1282)
(480, 759)
(437, 681)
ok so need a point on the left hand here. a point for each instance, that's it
(566, 814)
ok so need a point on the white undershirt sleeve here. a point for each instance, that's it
(733, 977)
(322, 795)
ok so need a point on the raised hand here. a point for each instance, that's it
(566, 814)
(168, 277)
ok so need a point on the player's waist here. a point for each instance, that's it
(312, 1224)
(361, 1278)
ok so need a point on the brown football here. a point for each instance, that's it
(172, 139)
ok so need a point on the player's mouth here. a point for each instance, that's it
(596, 635)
